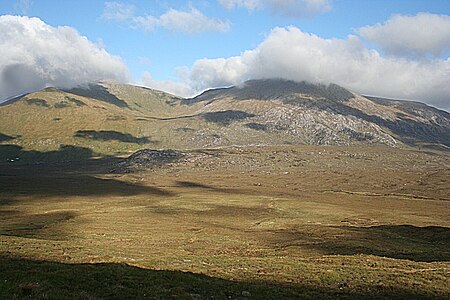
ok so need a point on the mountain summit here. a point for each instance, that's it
(110, 119)
(277, 89)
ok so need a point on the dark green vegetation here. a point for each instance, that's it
(250, 222)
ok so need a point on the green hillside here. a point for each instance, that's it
(110, 119)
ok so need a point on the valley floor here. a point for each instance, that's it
(254, 222)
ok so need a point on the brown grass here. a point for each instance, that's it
(330, 221)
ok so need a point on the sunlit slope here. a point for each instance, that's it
(45, 120)
(113, 119)
(330, 115)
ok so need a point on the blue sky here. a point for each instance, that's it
(158, 50)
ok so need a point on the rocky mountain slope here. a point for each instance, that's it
(110, 119)
(321, 114)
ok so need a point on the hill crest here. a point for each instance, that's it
(114, 119)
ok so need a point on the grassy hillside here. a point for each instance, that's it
(110, 119)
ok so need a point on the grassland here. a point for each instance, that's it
(232, 223)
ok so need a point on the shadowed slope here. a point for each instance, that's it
(5, 137)
(111, 135)
(99, 92)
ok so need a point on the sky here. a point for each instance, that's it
(389, 48)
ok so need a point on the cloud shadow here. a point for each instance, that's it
(421, 244)
(98, 92)
(226, 117)
(38, 226)
(16, 154)
(111, 135)
(5, 137)
(30, 278)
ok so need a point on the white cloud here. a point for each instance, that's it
(292, 54)
(117, 11)
(191, 21)
(207, 73)
(175, 88)
(249, 4)
(34, 55)
(422, 34)
(297, 9)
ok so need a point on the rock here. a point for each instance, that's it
(149, 158)
(246, 294)
(196, 296)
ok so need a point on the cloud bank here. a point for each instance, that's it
(34, 55)
(292, 54)
(419, 35)
(297, 9)
(168, 86)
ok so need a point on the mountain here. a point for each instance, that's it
(108, 118)
(330, 114)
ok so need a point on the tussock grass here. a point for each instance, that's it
(263, 223)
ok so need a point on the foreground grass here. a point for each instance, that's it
(23, 278)
(292, 222)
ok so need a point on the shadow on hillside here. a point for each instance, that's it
(71, 185)
(99, 92)
(70, 171)
(426, 244)
(407, 130)
(111, 135)
(196, 185)
(26, 278)
(190, 184)
(16, 154)
(226, 117)
(5, 137)
(38, 226)
(37, 102)
(257, 126)
(429, 243)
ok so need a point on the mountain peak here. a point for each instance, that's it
(117, 118)
(276, 89)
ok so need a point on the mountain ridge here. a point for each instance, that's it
(115, 119)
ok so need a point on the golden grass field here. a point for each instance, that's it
(283, 222)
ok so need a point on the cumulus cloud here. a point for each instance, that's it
(419, 35)
(117, 11)
(192, 21)
(297, 9)
(292, 54)
(34, 55)
(176, 88)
